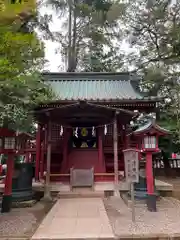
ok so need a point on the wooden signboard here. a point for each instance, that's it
(131, 159)
(131, 165)
(82, 177)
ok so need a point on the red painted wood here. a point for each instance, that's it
(27, 158)
(83, 159)
(149, 173)
(100, 151)
(38, 152)
(9, 175)
(42, 160)
(5, 132)
(1, 169)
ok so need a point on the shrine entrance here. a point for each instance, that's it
(84, 137)
(83, 127)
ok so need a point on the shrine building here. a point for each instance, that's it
(87, 126)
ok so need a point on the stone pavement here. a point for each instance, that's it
(79, 218)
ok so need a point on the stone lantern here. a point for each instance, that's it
(148, 136)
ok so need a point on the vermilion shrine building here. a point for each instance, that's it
(87, 126)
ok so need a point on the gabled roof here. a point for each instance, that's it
(151, 126)
(84, 112)
(95, 86)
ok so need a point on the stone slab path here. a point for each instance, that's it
(79, 218)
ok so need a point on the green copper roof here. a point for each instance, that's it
(151, 125)
(94, 86)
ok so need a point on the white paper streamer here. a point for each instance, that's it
(93, 131)
(76, 132)
(61, 132)
(105, 130)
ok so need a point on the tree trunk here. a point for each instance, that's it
(116, 170)
(69, 36)
(73, 57)
(47, 191)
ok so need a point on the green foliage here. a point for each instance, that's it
(17, 12)
(91, 28)
(153, 28)
(21, 88)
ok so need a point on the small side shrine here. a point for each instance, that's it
(147, 139)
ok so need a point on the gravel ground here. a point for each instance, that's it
(165, 222)
(22, 222)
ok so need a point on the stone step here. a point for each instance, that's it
(138, 202)
(81, 193)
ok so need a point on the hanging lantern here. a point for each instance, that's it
(61, 131)
(149, 142)
(105, 129)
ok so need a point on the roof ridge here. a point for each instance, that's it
(90, 76)
(89, 80)
(89, 73)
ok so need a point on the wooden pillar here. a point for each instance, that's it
(125, 145)
(47, 192)
(42, 153)
(116, 170)
(125, 138)
(151, 196)
(149, 174)
(27, 155)
(38, 152)
(7, 196)
(42, 160)
(100, 151)
(65, 150)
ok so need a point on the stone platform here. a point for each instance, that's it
(161, 186)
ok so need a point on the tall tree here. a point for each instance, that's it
(92, 27)
(153, 27)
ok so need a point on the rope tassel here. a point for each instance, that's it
(93, 131)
